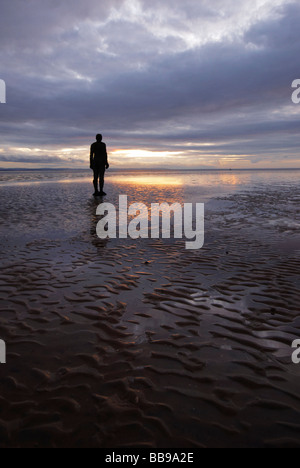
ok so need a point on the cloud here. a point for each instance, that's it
(195, 76)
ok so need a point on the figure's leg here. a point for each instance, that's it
(96, 177)
(101, 175)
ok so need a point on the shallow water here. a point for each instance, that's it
(122, 343)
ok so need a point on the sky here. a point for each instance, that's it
(169, 83)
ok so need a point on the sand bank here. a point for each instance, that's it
(140, 343)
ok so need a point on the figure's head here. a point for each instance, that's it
(99, 137)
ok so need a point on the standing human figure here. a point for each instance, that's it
(99, 163)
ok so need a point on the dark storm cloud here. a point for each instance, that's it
(136, 71)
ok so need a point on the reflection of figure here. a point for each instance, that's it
(99, 163)
(100, 244)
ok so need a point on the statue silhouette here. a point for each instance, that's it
(99, 163)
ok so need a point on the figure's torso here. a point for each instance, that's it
(99, 150)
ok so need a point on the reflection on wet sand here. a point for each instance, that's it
(230, 179)
(94, 219)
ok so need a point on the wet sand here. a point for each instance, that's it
(123, 343)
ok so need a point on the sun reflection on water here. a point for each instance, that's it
(147, 179)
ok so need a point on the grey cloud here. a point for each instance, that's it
(141, 89)
(282, 34)
(22, 23)
(37, 159)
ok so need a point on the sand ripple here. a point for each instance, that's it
(122, 343)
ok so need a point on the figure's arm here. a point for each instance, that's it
(91, 158)
(106, 159)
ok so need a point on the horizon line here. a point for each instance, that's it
(164, 169)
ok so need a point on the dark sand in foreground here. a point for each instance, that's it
(142, 343)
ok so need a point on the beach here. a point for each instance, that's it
(142, 343)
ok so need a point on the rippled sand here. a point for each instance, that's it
(142, 343)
